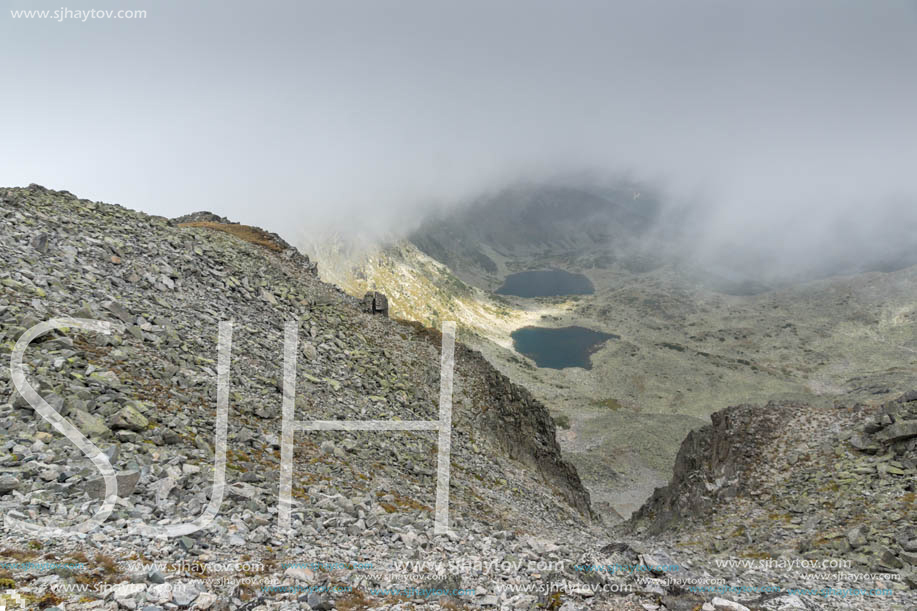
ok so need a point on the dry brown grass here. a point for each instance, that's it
(401, 503)
(49, 599)
(107, 563)
(355, 600)
(19, 554)
(253, 235)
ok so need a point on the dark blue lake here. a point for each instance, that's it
(559, 348)
(546, 283)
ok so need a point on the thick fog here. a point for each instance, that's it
(788, 129)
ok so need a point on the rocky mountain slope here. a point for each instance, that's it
(831, 488)
(147, 397)
(523, 535)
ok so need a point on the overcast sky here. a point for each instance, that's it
(287, 114)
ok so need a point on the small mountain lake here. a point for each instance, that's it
(561, 347)
(546, 283)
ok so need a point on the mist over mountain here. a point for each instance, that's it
(786, 129)
(645, 227)
(687, 309)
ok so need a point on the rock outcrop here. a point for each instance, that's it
(830, 487)
(375, 302)
(715, 463)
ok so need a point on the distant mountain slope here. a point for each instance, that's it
(692, 340)
(537, 221)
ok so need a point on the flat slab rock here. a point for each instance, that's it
(127, 482)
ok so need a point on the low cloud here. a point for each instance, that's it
(786, 129)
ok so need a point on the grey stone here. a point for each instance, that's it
(130, 419)
(89, 424)
(887, 558)
(106, 378)
(40, 243)
(155, 576)
(300, 574)
(857, 536)
(375, 303)
(899, 431)
(120, 312)
(127, 482)
(242, 491)
(723, 604)
(186, 593)
(318, 602)
(864, 444)
(8, 483)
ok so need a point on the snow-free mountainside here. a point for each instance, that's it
(817, 483)
(692, 335)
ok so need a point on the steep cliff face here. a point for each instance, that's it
(788, 479)
(527, 433)
(714, 464)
